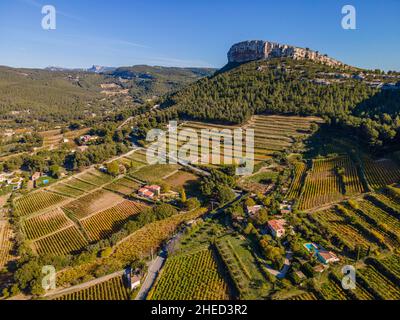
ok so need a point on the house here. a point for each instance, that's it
(146, 193)
(155, 189)
(327, 257)
(300, 274)
(285, 208)
(277, 227)
(36, 176)
(253, 210)
(319, 268)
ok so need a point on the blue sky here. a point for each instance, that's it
(192, 32)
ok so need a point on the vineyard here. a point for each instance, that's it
(95, 177)
(381, 172)
(191, 276)
(332, 291)
(378, 283)
(336, 224)
(37, 201)
(67, 241)
(102, 224)
(295, 188)
(124, 186)
(322, 185)
(6, 235)
(91, 203)
(112, 289)
(392, 263)
(155, 172)
(138, 245)
(45, 223)
(304, 297)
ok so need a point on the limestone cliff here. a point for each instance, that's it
(259, 49)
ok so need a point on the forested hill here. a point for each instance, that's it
(62, 95)
(352, 97)
(147, 81)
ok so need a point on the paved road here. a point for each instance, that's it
(152, 273)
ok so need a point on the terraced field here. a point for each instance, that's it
(67, 241)
(102, 224)
(380, 173)
(113, 289)
(45, 223)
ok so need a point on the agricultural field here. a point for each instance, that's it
(241, 263)
(92, 203)
(182, 179)
(304, 297)
(272, 133)
(95, 177)
(112, 289)
(45, 223)
(137, 246)
(67, 190)
(6, 243)
(348, 233)
(102, 224)
(37, 201)
(324, 184)
(384, 219)
(380, 173)
(124, 186)
(378, 283)
(331, 290)
(155, 172)
(190, 276)
(66, 241)
(392, 263)
(296, 185)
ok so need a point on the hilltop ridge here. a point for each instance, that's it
(259, 49)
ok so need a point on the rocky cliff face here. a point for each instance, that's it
(259, 49)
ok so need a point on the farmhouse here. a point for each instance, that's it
(277, 227)
(253, 210)
(149, 191)
(285, 208)
(327, 257)
(36, 176)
